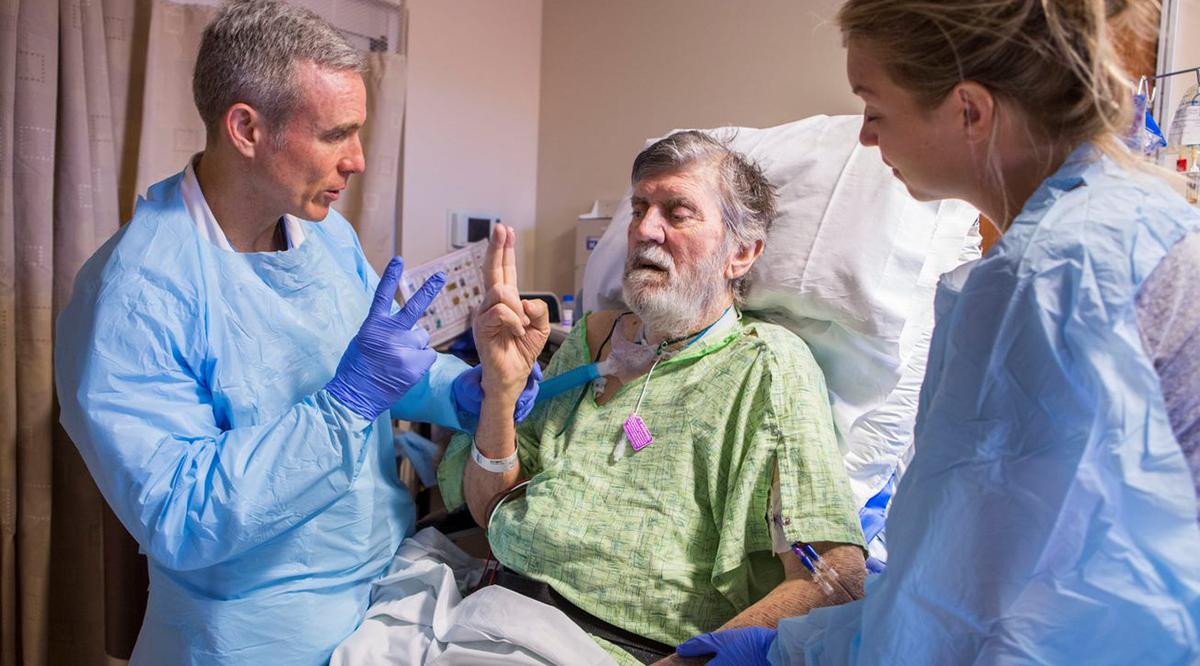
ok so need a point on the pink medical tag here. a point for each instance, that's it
(637, 433)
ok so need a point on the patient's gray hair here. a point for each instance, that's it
(249, 54)
(747, 197)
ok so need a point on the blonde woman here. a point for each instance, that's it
(1049, 514)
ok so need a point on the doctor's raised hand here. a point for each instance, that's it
(390, 353)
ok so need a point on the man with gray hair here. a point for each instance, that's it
(227, 376)
(664, 500)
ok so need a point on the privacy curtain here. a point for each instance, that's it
(95, 105)
(371, 200)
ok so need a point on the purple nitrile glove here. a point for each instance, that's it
(747, 646)
(388, 355)
(468, 396)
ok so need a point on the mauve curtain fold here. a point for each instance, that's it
(26, 319)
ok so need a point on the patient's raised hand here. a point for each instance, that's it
(509, 332)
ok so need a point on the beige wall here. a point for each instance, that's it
(471, 130)
(615, 72)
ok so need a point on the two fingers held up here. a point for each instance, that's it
(509, 332)
(390, 353)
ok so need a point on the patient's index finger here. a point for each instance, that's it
(416, 306)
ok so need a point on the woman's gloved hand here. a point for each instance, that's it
(388, 355)
(747, 646)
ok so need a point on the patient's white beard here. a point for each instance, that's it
(669, 303)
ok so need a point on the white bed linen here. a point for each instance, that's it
(418, 617)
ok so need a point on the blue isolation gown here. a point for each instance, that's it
(1048, 516)
(191, 380)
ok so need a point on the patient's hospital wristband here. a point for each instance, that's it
(494, 465)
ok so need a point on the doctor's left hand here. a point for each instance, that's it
(390, 353)
(746, 646)
(509, 332)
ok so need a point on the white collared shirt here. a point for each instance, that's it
(206, 223)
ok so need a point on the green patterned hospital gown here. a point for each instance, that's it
(673, 541)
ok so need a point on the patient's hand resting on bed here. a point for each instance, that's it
(509, 334)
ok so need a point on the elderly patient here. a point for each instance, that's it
(662, 499)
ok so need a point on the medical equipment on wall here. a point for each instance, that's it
(467, 228)
(450, 313)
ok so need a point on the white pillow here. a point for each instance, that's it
(851, 265)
